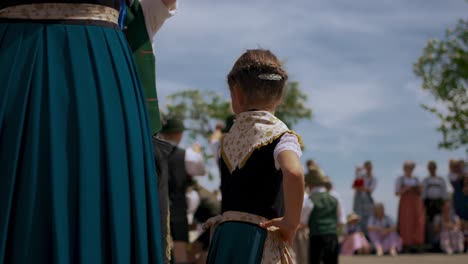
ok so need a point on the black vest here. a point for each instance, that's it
(257, 188)
(178, 181)
(110, 3)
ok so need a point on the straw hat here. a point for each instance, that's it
(353, 217)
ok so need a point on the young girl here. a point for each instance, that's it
(354, 240)
(448, 226)
(358, 181)
(260, 165)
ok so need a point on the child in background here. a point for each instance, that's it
(358, 181)
(321, 212)
(354, 240)
(448, 226)
(262, 177)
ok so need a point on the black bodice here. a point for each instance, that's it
(110, 3)
(257, 188)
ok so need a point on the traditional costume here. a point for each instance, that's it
(321, 213)
(411, 214)
(139, 36)
(451, 239)
(78, 178)
(363, 204)
(354, 239)
(252, 191)
(391, 240)
(143, 19)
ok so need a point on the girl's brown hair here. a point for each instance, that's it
(258, 73)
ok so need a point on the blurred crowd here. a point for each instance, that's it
(429, 217)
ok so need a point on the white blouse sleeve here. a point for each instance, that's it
(194, 163)
(307, 208)
(398, 184)
(287, 142)
(155, 12)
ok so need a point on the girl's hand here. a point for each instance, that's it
(286, 228)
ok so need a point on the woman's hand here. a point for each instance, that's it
(286, 228)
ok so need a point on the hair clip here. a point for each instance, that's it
(270, 77)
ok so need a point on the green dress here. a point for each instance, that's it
(77, 175)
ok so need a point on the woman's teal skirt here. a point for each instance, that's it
(237, 243)
(77, 174)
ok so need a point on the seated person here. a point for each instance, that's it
(354, 240)
(382, 232)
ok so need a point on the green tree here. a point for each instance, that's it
(443, 68)
(293, 109)
(202, 110)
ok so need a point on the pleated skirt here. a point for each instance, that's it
(236, 243)
(77, 174)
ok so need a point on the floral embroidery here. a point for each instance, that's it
(251, 130)
(61, 11)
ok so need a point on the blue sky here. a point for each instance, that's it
(352, 58)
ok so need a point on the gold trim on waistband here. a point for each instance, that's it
(61, 11)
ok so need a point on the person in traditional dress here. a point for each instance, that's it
(183, 164)
(363, 202)
(382, 232)
(434, 194)
(321, 214)
(78, 176)
(457, 180)
(411, 215)
(448, 226)
(140, 38)
(262, 177)
(354, 241)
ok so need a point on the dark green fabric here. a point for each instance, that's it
(77, 177)
(324, 219)
(137, 36)
(237, 242)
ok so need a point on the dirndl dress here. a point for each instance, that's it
(78, 181)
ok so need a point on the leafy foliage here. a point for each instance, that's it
(443, 68)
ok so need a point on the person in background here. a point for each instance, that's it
(411, 215)
(354, 241)
(458, 178)
(320, 212)
(434, 194)
(208, 206)
(448, 226)
(329, 186)
(382, 232)
(358, 181)
(182, 165)
(363, 201)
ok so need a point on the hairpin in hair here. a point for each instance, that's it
(270, 77)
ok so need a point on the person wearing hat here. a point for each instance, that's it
(183, 165)
(354, 239)
(321, 214)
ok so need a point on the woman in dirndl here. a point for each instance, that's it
(78, 181)
(411, 213)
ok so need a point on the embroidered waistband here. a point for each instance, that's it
(275, 250)
(61, 11)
